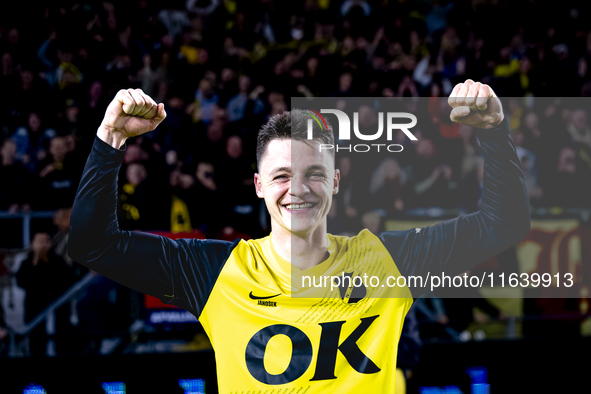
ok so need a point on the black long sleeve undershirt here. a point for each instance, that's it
(181, 272)
(184, 271)
(456, 245)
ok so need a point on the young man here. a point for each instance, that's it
(266, 338)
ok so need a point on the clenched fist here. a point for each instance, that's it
(475, 104)
(131, 113)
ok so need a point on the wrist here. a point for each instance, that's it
(111, 136)
(498, 124)
(502, 117)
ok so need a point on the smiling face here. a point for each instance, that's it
(297, 182)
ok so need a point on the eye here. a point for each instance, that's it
(316, 175)
(280, 177)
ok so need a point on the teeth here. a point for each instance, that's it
(299, 206)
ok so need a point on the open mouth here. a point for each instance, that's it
(297, 207)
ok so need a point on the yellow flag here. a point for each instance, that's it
(180, 221)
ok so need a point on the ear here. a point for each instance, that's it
(258, 185)
(337, 179)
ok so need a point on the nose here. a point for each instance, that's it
(299, 186)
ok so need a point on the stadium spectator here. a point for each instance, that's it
(578, 127)
(224, 68)
(70, 122)
(388, 187)
(442, 316)
(433, 183)
(181, 143)
(211, 145)
(237, 105)
(4, 334)
(59, 242)
(58, 177)
(15, 192)
(461, 312)
(142, 206)
(35, 273)
(180, 214)
(431, 315)
(345, 86)
(236, 171)
(33, 140)
(226, 86)
(529, 166)
(30, 92)
(205, 100)
(534, 138)
(569, 184)
(204, 191)
(449, 143)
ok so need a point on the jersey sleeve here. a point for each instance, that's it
(456, 245)
(181, 272)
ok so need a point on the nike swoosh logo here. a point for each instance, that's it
(261, 298)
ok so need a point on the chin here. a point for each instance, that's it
(303, 227)
(299, 230)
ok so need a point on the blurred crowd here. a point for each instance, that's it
(223, 67)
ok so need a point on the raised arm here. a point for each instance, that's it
(181, 272)
(131, 113)
(455, 245)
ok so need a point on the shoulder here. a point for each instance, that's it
(256, 243)
(239, 247)
(365, 236)
(398, 241)
(206, 242)
(211, 248)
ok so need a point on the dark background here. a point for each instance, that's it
(222, 68)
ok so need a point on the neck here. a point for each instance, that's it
(303, 250)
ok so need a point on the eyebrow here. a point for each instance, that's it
(281, 169)
(316, 167)
(288, 169)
